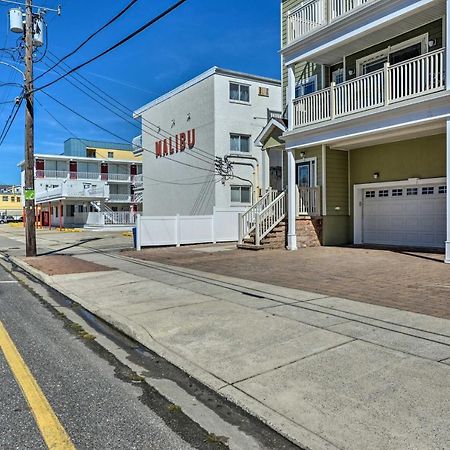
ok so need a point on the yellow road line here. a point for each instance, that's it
(50, 427)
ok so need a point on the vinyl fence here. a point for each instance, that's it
(221, 226)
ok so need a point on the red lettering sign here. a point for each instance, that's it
(182, 141)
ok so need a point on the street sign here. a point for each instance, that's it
(29, 194)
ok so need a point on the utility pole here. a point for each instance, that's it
(33, 35)
(30, 225)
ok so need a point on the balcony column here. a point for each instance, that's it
(447, 46)
(292, 202)
(290, 95)
(447, 243)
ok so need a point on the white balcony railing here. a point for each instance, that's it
(312, 14)
(309, 201)
(83, 175)
(120, 198)
(413, 78)
(74, 192)
(118, 177)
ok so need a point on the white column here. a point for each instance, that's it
(290, 95)
(447, 49)
(291, 204)
(447, 243)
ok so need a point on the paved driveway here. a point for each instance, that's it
(417, 282)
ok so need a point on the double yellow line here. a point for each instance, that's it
(53, 433)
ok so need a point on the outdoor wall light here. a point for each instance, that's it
(376, 175)
(351, 72)
(431, 42)
(302, 155)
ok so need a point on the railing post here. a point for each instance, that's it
(240, 228)
(387, 84)
(257, 229)
(332, 100)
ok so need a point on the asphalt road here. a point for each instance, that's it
(95, 401)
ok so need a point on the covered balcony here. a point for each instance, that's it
(312, 14)
(386, 87)
(73, 192)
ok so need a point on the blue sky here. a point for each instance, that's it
(234, 34)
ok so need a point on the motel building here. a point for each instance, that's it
(365, 147)
(10, 201)
(93, 184)
(191, 134)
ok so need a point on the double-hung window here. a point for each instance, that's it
(240, 194)
(306, 86)
(239, 143)
(240, 92)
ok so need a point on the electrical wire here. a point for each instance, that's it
(117, 136)
(144, 176)
(146, 130)
(118, 44)
(127, 111)
(90, 37)
(10, 121)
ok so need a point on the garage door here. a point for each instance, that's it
(405, 215)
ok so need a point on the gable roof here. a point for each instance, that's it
(272, 124)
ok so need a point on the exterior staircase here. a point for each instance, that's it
(262, 225)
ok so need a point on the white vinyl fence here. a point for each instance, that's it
(221, 226)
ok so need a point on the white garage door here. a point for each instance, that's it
(405, 215)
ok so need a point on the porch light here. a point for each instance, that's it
(302, 155)
(431, 42)
(376, 175)
(351, 72)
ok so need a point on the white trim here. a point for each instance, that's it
(324, 180)
(268, 129)
(370, 27)
(358, 199)
(292, 202)
(447, 243)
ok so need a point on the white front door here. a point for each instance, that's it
(405, 215)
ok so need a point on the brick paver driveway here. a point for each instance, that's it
(417, 282)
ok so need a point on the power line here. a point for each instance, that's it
(144, 176)
(10, 121)
(149, 131)
(118, 44)
(120, 137)
(90, 37)
(126, 110)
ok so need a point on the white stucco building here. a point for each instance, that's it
(185, 132)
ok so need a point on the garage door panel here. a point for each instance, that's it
(408, 216)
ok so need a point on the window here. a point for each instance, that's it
(70, 210)
(240, 194)
(13, 199)
(263, 91)
(306, 86)
(412, 191)
(91, 153)
(397, 192)
(338, 76)
(18, 199)
(5, 198)
(370, 194)
(239, 143)
(427, 190)
(110, 154)
(442, 189)
(383, 193)
(80, 208)
(240, 92)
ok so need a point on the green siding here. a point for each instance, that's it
(336, 230)
(337, 183)
(416, 158)
(274, 140)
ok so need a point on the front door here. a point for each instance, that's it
(305, 174)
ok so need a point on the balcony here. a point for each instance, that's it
(88, 176)
(312, 14)
(394, 84)
(76, 192)
(119, 198)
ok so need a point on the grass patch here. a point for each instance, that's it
(174, 408)
(214, 439)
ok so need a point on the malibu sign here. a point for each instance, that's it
(179, 143)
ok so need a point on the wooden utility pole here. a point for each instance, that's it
(30, 229)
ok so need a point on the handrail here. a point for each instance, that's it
(270, 217)
(247, 220)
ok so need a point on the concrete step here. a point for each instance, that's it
(250, 247)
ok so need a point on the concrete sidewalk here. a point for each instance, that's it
(325, 372)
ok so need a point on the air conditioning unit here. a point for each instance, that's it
(263, 91)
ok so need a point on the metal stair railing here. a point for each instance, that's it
(270, 217)
(247, 220)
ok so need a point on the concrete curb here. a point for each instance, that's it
(281, 424)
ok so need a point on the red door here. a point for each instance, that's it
(133, 172)
(40, 168)
(73, 170)
(45, 218)
(104, 171)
